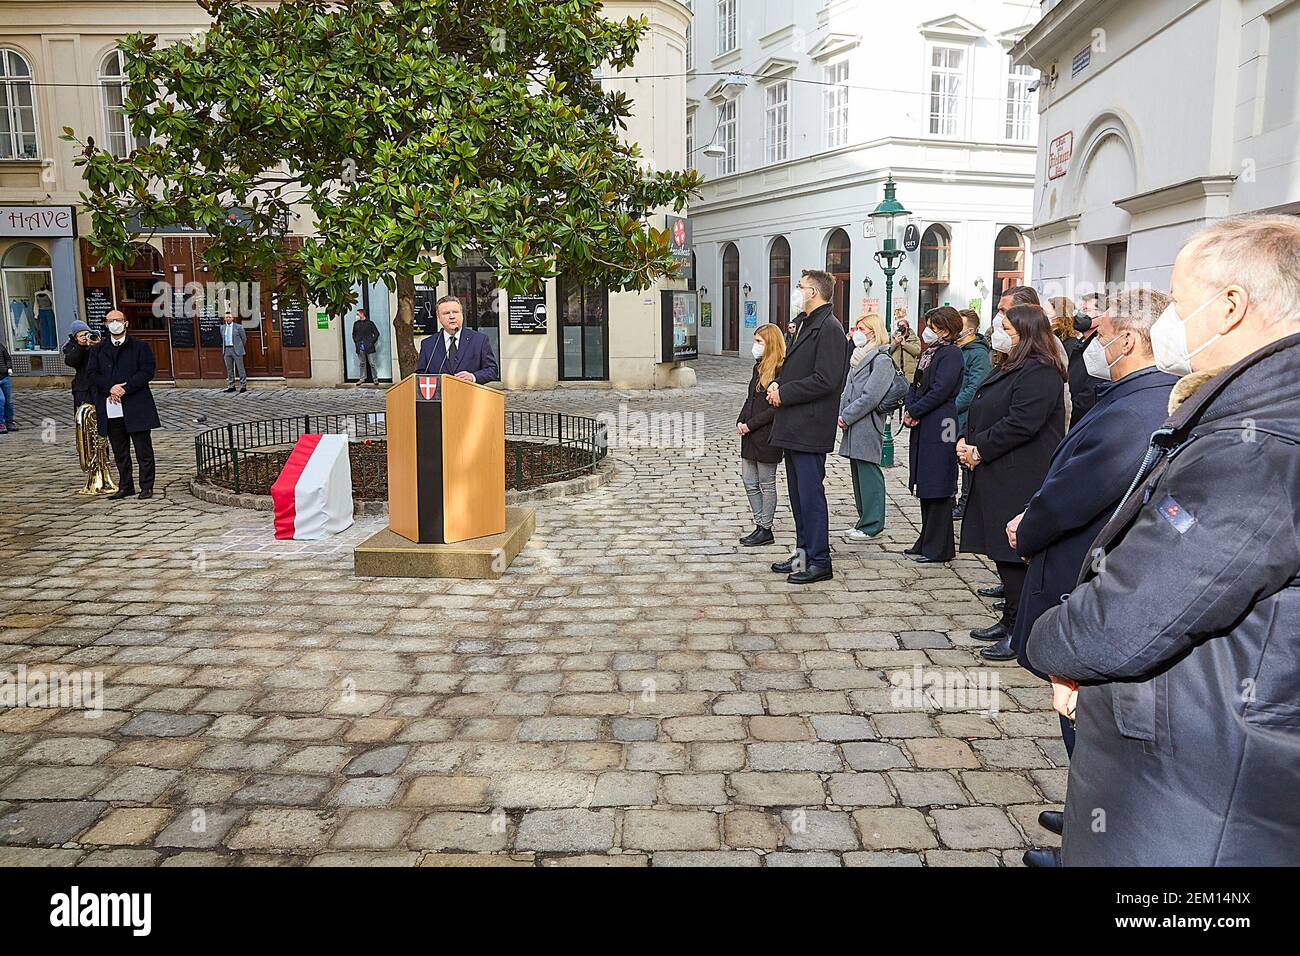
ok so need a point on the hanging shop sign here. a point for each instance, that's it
(526, 314)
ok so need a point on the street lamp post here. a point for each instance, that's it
(888, 222)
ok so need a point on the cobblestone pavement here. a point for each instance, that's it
(636, 690)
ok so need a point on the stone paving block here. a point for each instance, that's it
(241, 756)
(195, 858)
(656, 756)
(694, 789)
(670, 830)
(55, 783)
(566, 830)
(16, 856)
(378, 762)
(199, 827)
(779, 728)
(819, 830)
(743, 858)
(366, 858)
(283, 789)
(752, 829)
(893, 828)
(970, 828)
(822, 757)
(122, 857)
(881, 858)
(476, 859)
(635, 728)
(372, 829)
(550, 789)
(447, 791)
(138, 785)
(132, 825)
(625, 789)
(716, 756)
(559, 728)
(941, 753)
(48, 823)
(283, 828)
(164, 725)
(999, 787)
(197, 788)
(873, 756)
(365, 792)
(925, 788)
(163, 754)
(842, 727)
(315, 760)
(472, 832)
(801, 859)
(593, 859)
(80, 751)
(777, 789)
(860, 790)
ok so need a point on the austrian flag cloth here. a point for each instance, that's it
(313, 495)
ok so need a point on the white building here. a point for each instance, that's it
(835, 96)
(1155, 118)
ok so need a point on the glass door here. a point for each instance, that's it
(476, 287)
(584, 332)
(373, 299)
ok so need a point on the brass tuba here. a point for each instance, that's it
(92, 454)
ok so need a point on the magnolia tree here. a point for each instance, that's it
(409, 128)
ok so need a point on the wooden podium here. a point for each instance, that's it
(446, 460)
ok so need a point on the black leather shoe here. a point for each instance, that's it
(999, 605)
(994, 632)
(997, 591)
(243, 389)
(229, 390)
(784, 567)
(758, 536)
(1041, 856)
(1001, 651)
(1052, 820)
(912, 552)
(813, 574)
(922, 559)
(122, 493)
(146, 494)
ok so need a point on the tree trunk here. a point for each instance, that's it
(403, 325)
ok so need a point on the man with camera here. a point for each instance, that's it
(76, 354)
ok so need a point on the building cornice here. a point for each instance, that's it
(1192, 190)
(1038, 47)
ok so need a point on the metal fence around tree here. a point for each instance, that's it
(247, 457)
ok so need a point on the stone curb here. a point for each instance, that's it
(214, 494)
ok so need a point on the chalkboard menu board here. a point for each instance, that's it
(181, 324)
(425, 320)
(99, 302)
(210, 329)
(293, 324)
(527, 314)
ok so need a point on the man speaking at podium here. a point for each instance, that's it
(456, 350)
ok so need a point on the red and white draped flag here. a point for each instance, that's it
(313, 495)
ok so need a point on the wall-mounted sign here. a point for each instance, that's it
(681, 332)
(322, 321)
(1082, 60)
(99, 302)
(425, 320)
(33, 221)
(1059, 152)
(912, 237)
(526, 314)
(751, 315)
(870, 306)
(706, 315)
(293, 324)
(679, 231)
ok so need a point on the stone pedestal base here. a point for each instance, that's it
(389, 555)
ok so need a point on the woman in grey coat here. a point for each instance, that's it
(871, 372)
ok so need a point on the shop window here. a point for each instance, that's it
(28, 286)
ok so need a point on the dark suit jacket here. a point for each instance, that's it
(810, 383)
(130, 364)
(1089, 474)
(473, 355)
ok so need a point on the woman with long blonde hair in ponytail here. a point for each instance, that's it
(758, 457)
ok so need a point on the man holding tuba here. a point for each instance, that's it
(121, 369)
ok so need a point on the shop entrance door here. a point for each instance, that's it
(476, 286)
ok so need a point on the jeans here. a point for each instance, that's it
(7, 400)
(760, 485)
(805, 474)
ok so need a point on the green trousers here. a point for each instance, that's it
(869, 496)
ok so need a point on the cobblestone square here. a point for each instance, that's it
(637, 689)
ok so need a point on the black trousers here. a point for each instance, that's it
(937, 540)
(1012, 574)
(121, 442)
(964, 493)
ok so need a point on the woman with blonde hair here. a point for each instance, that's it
(871, 373)
(758, 457)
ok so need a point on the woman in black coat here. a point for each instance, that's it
(758, 456)
(931, 413)
(1015, 423)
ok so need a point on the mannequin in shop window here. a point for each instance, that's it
(49, 338)
(24, 329)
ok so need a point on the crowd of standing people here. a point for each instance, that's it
(1129, 466)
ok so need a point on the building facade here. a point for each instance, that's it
(59, 67)
(1156, 118)
(812, 106)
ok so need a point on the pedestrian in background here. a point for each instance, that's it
(76, 355)
(1177, 652)
(905, 349)
(931, 413)
(806, 395)
(1088, 476)
(862, 422)
(365, 336)
(1014, 425)
(758, 457)
(1083, 387)
(976, 365)
(233, 339)
(121, 369)
(6, 391)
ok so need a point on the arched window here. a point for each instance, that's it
(113, 86)
(839, 257)
(28, 284)
(778, 282)
(17, 108)
(935, 268)
(1008, 261)
(730, 298)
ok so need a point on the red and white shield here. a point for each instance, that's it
(428, 386)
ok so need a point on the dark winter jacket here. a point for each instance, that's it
(932, 446)
(1083, 387)
(76, 356)
(1088, 476)
(810, 383)
(977, 360)
(131, 364)
(1016, 422)
(1185, 634)
(758, 415)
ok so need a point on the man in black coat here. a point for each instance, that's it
(1083, 387)
(806, 395)
(1088, 476)
(365, 336)
(121, 369)
(1183, 630)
